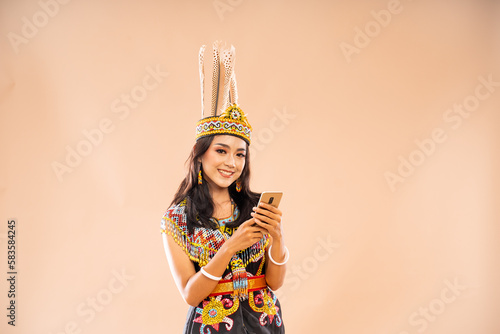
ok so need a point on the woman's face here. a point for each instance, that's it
(224, 161)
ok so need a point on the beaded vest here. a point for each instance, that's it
(202, 244)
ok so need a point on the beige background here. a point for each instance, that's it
(365, 257)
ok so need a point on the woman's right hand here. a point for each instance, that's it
(245, 236)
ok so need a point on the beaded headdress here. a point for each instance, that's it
(225, 116)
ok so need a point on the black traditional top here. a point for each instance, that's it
(258, 312)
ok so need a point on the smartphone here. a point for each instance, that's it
(271, 197)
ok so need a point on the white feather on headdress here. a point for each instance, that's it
(224, 91)
(202, 77)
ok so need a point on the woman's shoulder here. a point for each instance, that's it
(176, 209)
(176, 216)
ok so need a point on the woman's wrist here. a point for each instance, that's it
(227, 249)
(208, 275)
(283, 259)
(279, 250)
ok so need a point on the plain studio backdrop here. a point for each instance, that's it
(379, 120)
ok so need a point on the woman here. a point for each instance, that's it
(226, 255)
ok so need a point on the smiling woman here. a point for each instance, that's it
(218, 166)
(224, 161)
(216, 239)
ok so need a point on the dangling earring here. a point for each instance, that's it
(200, 178)
(238, 185)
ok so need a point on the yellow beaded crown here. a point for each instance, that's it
(225, 116)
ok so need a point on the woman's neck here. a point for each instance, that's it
(222, 202)
(220, 197)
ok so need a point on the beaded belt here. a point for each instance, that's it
(226, 286)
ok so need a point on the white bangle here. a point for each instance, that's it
(215, 278)
(287, 256)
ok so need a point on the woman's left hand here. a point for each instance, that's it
(268, 217)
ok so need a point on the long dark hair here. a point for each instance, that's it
(200, 205)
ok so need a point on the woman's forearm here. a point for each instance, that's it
(275, 274)
(198, 286)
